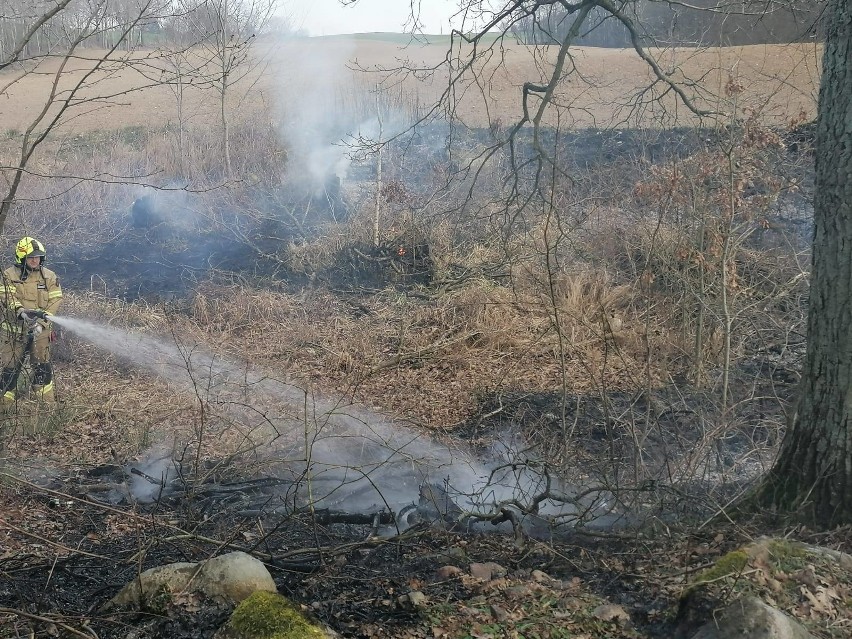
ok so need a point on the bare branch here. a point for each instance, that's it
(28, 35)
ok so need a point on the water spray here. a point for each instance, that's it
(356, 459)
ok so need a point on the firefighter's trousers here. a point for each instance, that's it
(13, 350)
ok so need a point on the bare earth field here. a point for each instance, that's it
(778, 80)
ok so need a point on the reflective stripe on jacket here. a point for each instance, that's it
(38, 290)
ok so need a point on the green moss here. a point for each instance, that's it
(158, 601)
(729, 565)
(782, 549)
(267, 615)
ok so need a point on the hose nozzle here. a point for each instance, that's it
(36, 314)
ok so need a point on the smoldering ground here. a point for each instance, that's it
(337, 455)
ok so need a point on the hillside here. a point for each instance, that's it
(468, 383)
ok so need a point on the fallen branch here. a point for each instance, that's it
(55, 544)
(64, 626)
(325, 517)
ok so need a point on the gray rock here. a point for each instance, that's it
(451, 555)
(750, 618)
(448, 572)
(612, 612)
(843, 559)
(487, 571)
(231, 577)
(519, 591)
(234, 577)
(414, 599)
(541, 577)
(151, 584)
(499, 613)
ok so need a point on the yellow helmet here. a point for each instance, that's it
(29, 247)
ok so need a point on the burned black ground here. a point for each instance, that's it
(341, 574)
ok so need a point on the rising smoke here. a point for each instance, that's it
(327, 118)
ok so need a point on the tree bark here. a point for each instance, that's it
(813, 473)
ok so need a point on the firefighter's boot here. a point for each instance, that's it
(8, 382)
(43, 382)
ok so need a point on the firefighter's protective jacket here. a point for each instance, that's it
(37, 289)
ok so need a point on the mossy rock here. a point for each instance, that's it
(152, 589)
(268, 615)
(727, 566)
(227, 578)
(808, 582)
(766, 555)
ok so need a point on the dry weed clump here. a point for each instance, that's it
(137, 314)
(319, 254)
(311, 335)
(587, 303)
(235, 310)
(484, 314)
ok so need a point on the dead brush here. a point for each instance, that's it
(318, 254)
(239, 310)
(477, 256)
(137, 314)
(279, 327)
(326, 250)
(588, 302)
(125, 405)
(442, 252)
(485, 314)
(348, 252)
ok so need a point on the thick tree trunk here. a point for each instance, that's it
(813, 474)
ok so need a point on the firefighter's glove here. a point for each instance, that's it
(37, 329)
(24, 314)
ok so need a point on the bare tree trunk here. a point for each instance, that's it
(551, 263)
(378, 176)
(726, 260)
(179, 90)
(813, 473)
(698, 348)
(226, 129)
(224, 59)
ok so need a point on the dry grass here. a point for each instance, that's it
(577, 312)
(427, 360)
(595, 317)
(781, 82)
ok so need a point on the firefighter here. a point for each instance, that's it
(29, 294)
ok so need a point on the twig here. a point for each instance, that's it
(53, 543)
(64, 626)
